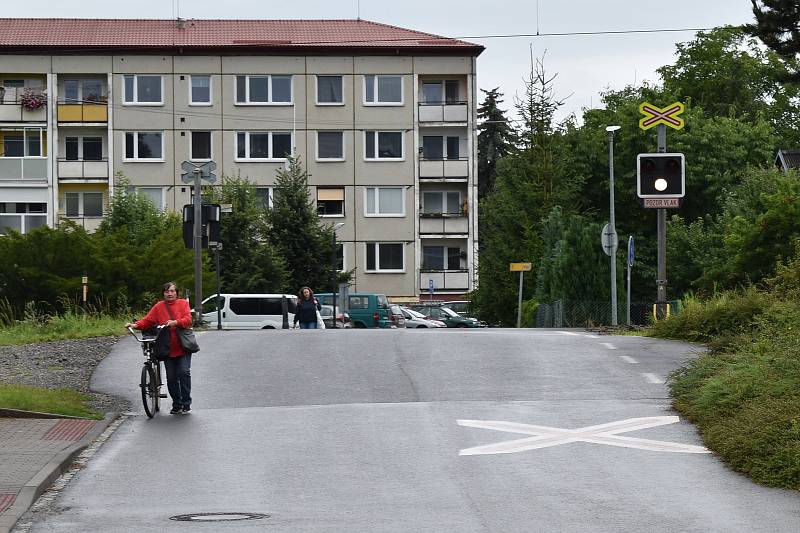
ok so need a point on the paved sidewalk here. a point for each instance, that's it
(33, 453)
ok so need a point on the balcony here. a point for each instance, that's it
(82, 170)
(444, 280)
(22, 105)
(23, 168)
(82, 112)
(444, 169)
(90, 224)
(443, 223)
(443, 112)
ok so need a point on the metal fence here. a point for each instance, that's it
(587, 313)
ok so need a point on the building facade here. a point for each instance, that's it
(383, 118)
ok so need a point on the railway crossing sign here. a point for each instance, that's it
(654, 116)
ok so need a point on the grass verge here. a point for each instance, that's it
(68, 326)
(744, 393)
(54, 401)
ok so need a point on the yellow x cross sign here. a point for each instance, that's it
(655, 115)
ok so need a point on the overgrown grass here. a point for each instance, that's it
(70, 325)
(744, 394)
(54, 401)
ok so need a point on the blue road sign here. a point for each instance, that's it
(630, 250)
(430, 286)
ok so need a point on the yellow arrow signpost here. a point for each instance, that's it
(653, 116)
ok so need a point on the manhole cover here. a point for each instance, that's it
(218, 517)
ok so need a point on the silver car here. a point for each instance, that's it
(418, 320)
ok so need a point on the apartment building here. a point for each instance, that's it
(383, 118)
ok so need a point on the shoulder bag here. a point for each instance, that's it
(185, 335)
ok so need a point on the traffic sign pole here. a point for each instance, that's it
(198, 246)
(630, 264)
(519, 302)
(661, 281)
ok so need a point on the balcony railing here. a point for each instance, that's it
(22, 105)
(444, 168)
(445, 280)
(83, 111)
(90, 224)
(443, 223)
(23, 168)
(443, 112)
(83, 169)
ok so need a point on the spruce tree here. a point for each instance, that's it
(296, 230)
(778, 26)
(495, 139)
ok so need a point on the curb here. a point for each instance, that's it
(59, 464)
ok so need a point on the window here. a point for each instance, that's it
(143, 146)
(330, 145)
(383, 90)
(77, 91)
(154, 194)
(84, 148)
(442, 202)
(384, 256)
(200, 90)
(144, 90)
(87, 204)
(452, 148)
(92, 148)
(432, 92)
(387, 145)
(265, 194)
(433, 147)
(441, 258)
(384, 201)
(201, 145)
(22, 217)
(264, 89)
(330, 202)
(72, 149)
(329, 90)
(24, 144)
(263, 145)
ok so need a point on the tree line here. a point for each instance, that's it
(544, 184)
(139, 247)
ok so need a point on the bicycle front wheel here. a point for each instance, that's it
(149, 391)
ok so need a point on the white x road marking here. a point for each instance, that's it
(545, 437)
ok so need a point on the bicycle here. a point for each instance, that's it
(151, 374)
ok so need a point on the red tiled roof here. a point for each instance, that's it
(42, 33)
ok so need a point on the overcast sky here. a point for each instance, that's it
(586, 65)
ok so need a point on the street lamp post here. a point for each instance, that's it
(613, 230)
(334, 270)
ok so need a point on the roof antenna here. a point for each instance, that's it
(179, 22)
(358, 9)
(537, 17)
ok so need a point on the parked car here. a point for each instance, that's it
(249, 311)
(446, 315)
(415, 319)
(366, 309)
(398, 319)
(343, 320)
(459, 306)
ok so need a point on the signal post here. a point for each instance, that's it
(661, 184)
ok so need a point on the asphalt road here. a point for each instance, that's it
(415, 431)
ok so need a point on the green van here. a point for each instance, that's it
(367, 309)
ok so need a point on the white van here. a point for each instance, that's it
(249, 311)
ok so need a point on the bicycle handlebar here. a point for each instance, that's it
(143, 339)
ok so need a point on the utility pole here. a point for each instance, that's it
(612, 227)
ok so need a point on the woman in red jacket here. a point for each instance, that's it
(173, 312)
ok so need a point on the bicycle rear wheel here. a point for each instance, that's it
(149, 391)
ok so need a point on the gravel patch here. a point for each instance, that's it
(64, 364)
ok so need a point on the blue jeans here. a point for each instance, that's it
(308, 325)
(179, 380)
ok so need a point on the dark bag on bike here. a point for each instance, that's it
(185, 336)
(161, 346)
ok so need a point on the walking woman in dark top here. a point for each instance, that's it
(307, 307)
